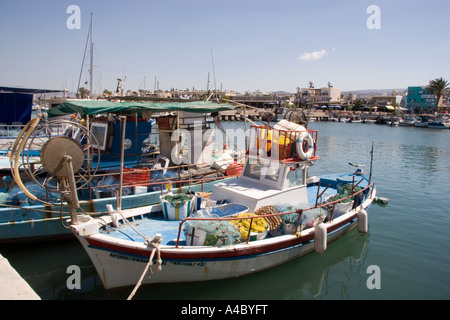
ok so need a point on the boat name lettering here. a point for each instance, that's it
(124, 257)
(189, 264)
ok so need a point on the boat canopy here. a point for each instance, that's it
(91, 107)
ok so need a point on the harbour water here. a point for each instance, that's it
(408, 240)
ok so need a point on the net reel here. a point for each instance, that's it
(56, 155)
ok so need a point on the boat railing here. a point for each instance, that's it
(262, 137)
(10, 130)
(299, 213)
(134, 177)
(141, 177)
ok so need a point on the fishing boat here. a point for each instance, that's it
(32, 202)
(407, 121)
(439, 123)
(393, 122)
(423, 123)
(273, 213)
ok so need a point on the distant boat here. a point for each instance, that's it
(407, 122)
(393, 123)
(439, 123)
(423, 123)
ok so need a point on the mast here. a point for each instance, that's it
(214, 74)
(91, 71)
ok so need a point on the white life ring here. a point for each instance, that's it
(299, 145)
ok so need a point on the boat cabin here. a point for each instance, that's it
(275, 170)
(107, 131)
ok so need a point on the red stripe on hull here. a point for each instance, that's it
(218, 254)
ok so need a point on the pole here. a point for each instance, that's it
(123, 121)
(72, 197)
(371, 161)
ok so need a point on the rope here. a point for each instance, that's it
(155, 242)
(132, 227)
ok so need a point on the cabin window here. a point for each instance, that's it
(272, 173)
(100, 131)
(295, 178)
(253, 169)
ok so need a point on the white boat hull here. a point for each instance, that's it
(120, 263)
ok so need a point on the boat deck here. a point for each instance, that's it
(151, 224)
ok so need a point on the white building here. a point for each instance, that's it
(322, 96)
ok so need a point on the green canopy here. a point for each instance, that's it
(91, 107)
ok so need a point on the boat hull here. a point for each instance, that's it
(438, 125)
(120, 263)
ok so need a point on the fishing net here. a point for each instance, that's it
(258, 225)
(308, 218)
(210, 232)
(344, 190)
(178, 198)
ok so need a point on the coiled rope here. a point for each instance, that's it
(155, 242)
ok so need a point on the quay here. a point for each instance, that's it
(13, 286)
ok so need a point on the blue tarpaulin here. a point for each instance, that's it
(15, 107)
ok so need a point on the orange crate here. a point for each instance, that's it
(165, 123)
(136, 176)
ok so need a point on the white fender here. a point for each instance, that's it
(299, 145)
(320, 238)
(362, 221)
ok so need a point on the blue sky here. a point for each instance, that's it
(265, 45)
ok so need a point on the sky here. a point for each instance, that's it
(244, 45)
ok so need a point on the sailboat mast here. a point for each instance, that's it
(92, 60)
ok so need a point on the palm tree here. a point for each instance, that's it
(83, 92)
(437, 87)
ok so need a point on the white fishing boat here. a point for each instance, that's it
(407, 121)
(273, 213)
(423, 123)
(393, 122)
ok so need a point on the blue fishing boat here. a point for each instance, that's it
(441, 122)
(115, 161)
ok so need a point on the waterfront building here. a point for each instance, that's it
(322, 96)
(387, 102)
(420, 99)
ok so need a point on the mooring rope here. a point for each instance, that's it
(155, 242)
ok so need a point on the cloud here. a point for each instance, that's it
(311, 56)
